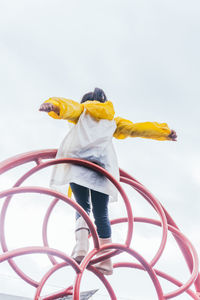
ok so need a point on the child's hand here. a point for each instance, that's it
(47, 107)
(173, 135)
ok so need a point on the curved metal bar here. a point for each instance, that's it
(46, 277)
(2, 235)
(133, 253)
(102, 171)
(195, 265)
(44, 228)
(19, 190)
(185, 246)
(98, 169)
(157, 206)
(158, 273)
(38, 160)
(186, 253)
(83, 266)
(46, 164)
(37, 155)
(104, 281)
(40, 250)
(2, 225)
(56, 194)
(24, 158)
(179, 235)
(65, 292)
(61, 294)
(128, 176)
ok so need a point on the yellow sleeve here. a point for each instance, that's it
(148, 130)
(100, 110)
(69, 109)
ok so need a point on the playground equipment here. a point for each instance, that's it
(46, 158)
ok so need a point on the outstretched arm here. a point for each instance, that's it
(149, 130)
(61, 108)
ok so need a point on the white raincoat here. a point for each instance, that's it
(91, 140)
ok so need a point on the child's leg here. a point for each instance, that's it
(81, 194)
(100, 211)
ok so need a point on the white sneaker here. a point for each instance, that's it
(105, 266)
(82, 243)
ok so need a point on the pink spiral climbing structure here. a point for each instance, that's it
(46, 158)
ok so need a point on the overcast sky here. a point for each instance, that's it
(145, 55)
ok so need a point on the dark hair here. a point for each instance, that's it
(98, 95)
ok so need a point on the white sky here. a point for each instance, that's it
(145, 55)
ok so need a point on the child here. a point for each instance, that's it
(91, 139)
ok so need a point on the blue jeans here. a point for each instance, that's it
(99, 207)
